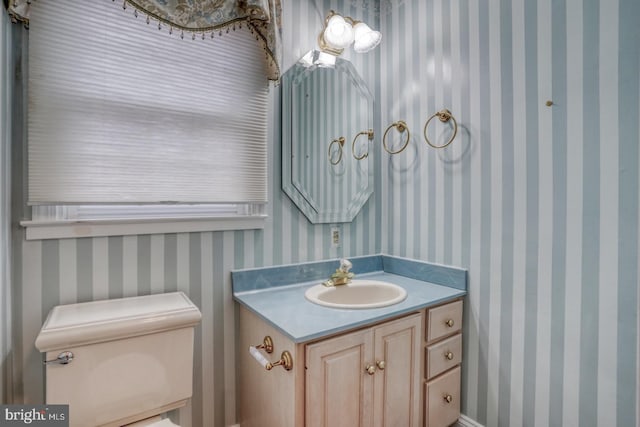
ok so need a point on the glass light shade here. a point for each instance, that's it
(365, 39)
(339, 33)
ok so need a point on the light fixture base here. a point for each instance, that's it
(339, 32)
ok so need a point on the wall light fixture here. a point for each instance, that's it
(340, 32)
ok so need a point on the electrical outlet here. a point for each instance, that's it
(336, 237)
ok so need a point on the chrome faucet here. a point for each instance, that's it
(342, 276)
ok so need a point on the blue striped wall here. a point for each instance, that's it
(5, 207)
(51, 272)
(540, 203)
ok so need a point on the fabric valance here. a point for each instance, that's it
(201, 18)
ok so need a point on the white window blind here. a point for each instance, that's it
(121, 113)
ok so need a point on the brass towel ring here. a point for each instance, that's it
(369, 134)
(340, 142)
(444, 116)
(401, 126)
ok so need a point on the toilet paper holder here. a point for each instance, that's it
(286, 361)
(267, 345)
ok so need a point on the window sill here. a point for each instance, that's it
(40, 230)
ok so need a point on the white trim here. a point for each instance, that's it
(465, 421)
(36, 230)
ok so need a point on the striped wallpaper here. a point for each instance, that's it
(5, 206)
(51, 272)
(539, 202)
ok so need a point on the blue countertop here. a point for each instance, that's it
(276, 294)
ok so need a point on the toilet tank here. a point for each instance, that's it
(132, 357)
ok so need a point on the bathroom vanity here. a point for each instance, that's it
(391, 366)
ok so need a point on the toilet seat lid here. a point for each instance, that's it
(85, 323)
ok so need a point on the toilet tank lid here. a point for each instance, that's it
(73, 325)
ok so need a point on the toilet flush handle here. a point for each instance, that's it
(63, 358)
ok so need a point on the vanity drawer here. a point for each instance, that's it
(444, 320)
(443, 355)
(442, 399)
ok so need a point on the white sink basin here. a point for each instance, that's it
(357, 294)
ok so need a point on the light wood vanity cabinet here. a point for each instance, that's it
(395, 373)
(366, 378)
(443, 355)
(338, 392)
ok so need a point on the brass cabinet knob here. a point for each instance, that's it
(449, 323)
(448, 355)
(380, 364)
(448, 398)
(370, 369)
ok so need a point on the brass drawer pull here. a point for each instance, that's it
(380, 364)
(370, 369)
(449, 323)
(448, 398)
(448, 355)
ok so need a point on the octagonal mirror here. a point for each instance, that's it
(324, 109)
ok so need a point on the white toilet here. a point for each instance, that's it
(122, 361)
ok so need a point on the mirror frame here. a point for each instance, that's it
(314, 214)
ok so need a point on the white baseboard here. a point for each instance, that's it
(465, 421)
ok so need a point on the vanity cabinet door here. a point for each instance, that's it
(367, 378)
(339, 390)
(397, 379)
